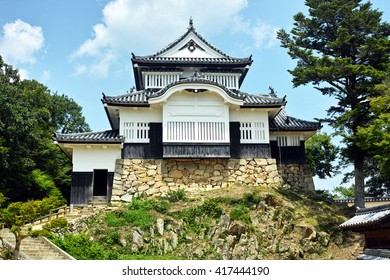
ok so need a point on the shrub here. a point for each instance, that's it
(211, 208)
(140, 218)
(175, 196)
(240, 212)
(113, 220)
(113, 238)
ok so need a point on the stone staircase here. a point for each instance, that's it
(40, 248)
(36, 248)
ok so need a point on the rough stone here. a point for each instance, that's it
(160, 226)
(138, 241)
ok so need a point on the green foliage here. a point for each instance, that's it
(175, 196)
(140, 218)
(159, 205)
(211, 208)
(342, 47)
(81, 247)
(113, 220)
(113, 238)
(240, 212)
(31, 167)
(17, 214)
(375, 138)
(321, 154)
(251, 199)
(344, 192)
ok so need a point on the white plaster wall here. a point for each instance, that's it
(90, 157)
(249, 115)
(186, 106)
(137, 114)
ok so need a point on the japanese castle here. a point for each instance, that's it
(187, 125)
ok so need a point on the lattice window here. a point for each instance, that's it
(201, 132)
(285, 141)
(136, 132)
(253, 132)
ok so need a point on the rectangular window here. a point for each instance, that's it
(136, 132)
(253, 132)
(284, 141)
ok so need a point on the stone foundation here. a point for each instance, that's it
(297, 176)
(156, 177)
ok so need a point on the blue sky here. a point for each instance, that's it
(83, 48)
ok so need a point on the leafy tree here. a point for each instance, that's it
(17, 214)
(375, 138)
(321, 154)
(31, 167)
(344, 192)
(342, 48)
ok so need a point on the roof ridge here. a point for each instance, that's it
(86, 133)
(191, 29)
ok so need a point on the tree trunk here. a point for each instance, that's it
(359, 182)
(18, 242)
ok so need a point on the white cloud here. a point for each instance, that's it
(23, 74)
(46, 76)
(146, 26)
(264, 34)
(21, 42)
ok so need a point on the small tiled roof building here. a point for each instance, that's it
(374, 223)
(188, 124)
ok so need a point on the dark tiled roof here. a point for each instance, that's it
(262, 100)
(140, 98)
(375, 254)
(226, 59)
(108, 136)
(284, 122)
(132, 98)
(367, 217)
(366, 199)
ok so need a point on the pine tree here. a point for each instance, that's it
(342, 48)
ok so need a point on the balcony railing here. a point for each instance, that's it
(155, 80)
(160, 80)
(196, 132)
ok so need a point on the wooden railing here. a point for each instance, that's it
(228, 80)
(200, 132)
(54, 213)
(160, 80)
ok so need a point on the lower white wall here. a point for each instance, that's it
(86, 158)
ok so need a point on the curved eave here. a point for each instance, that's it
(196, 84)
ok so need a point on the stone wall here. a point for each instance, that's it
(156, 177)
(297, 176)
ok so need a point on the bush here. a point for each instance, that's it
(211, 208)
(113, 238)
(240, 212)
(251, 199)
(113, 220)
(81, 247)
(140, 218)
(175, 196)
